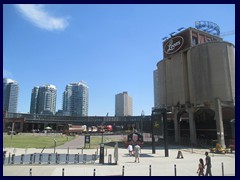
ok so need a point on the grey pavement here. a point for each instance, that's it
(160, 165)
(76, 143)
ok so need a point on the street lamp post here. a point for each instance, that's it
(143, 115)
(12, 134)
(103, 126)
(102, 135)
(55, 143)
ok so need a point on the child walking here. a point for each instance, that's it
(200, 167)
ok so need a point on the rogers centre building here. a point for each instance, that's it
(197, 78)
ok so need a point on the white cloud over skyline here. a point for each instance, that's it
(37, 15)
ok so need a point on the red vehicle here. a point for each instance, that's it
(109, 128)
(103, 129)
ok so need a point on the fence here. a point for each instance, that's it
(45, 158)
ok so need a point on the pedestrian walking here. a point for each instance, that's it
(200, 170)
(208, 165)
(130, 149)
(137, 150)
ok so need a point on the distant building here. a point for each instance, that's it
(10, 95)
(123, 104)
(75, 99)
(34, 97)
(43, 100)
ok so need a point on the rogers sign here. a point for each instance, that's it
(173, 45)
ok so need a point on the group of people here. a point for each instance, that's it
(134, 151)
(201, 166)
(208, 165)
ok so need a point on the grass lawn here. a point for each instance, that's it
(30, 140)
(34, 141)
(97, 140)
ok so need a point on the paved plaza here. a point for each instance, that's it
(160, 165)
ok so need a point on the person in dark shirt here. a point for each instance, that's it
(208, 165)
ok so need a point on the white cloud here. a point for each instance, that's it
(41, 18)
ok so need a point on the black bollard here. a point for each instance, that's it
(123, 171)
(94, 172)
(30, 172)
(175, 170)
(62, 171)
(222, 169)
(150, 170)
(78, 158)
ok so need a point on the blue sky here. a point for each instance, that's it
(114, 48)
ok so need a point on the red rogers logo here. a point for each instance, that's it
(173, 45)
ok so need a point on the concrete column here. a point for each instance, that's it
(192, 126)
(176, 126)
(219, 122)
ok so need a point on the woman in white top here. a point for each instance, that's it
(130, 149)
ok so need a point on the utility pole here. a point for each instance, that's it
(12, 134)
(143, 115)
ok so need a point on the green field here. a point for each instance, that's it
(30, 140)
(34, 140)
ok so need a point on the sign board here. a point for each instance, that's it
(101, 156)
(176, 43)
(157, 124)
(173, 45)
(87, 139)
(135, 137)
